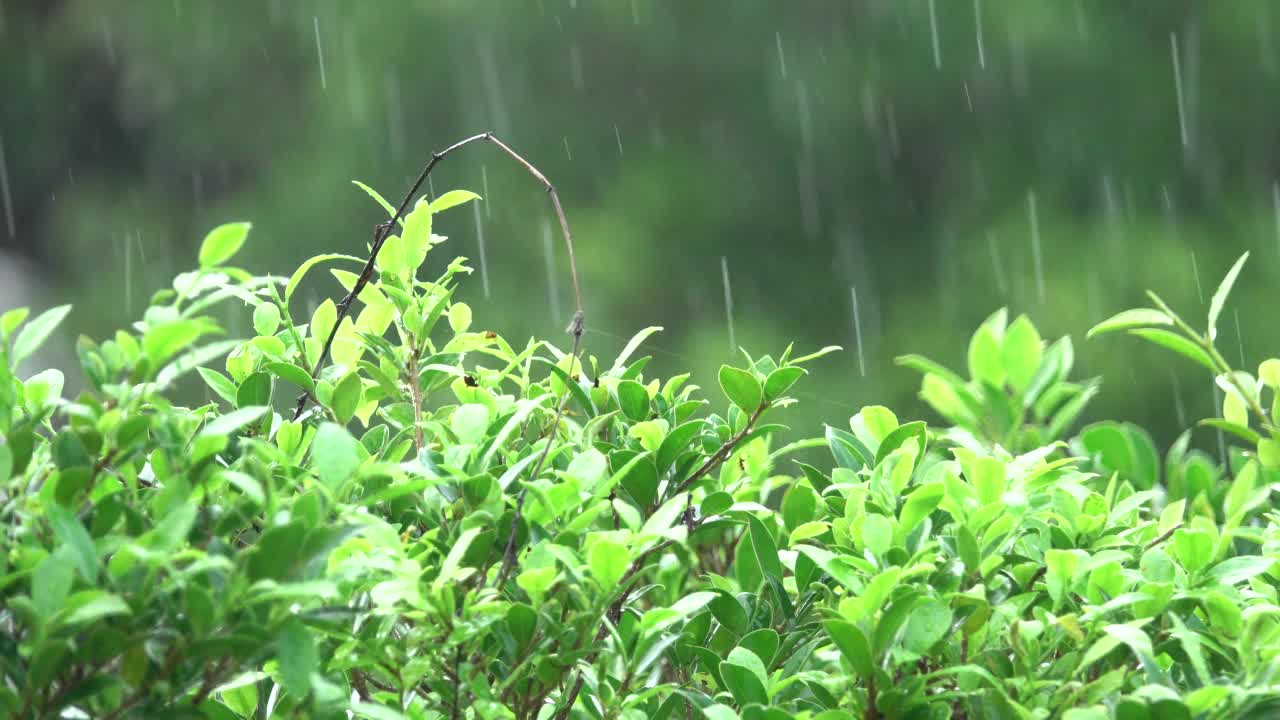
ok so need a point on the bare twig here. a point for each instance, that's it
(384, 230)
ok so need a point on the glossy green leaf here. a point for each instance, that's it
(222, 243)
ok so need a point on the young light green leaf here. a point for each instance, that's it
(451, 199)
(1178, 344)
(742, 387)
(304, 267)
(222, 243)
(335, 454)
(1219, 298)
(391, 211)
(34, 333)
(1139, 318)
(608, 561)
(631, 346)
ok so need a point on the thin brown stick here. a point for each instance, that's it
(384, 230)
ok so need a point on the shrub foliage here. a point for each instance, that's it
(459, 527)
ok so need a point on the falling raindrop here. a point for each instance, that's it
(1082, 26)
(484, 263)
(967, 97)
(128, 274)
(933, 32)
(1178, 408)
(484, 187)
(324, 82)
(782, 58)
(553, 285)
(1222, 440)
(499, 119)
(617, 136)
(1034, 218)
(1240, 339)
(891, 119)
(567, 151)
(857, 331)
(806, 175)
(1177, 85)
(997, 267)
(107, 42)
(977, 23)
(4, 193)
(1195, 270)
(728, 303)
(395, 113)
(197, 190)
(1275, 208)
(575, 66)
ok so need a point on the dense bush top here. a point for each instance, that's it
(462, 528)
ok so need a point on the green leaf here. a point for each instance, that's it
(815, 355)
(631, 346)
(335, 454)
(1178, 344)
(167, 339)
(676, 441)
(469, 422)
(51, 581)
(296, 653)
(633, 398)
(930, 621)
(1193, 548)
(1219, 298)
(222, 242)
(1269, 373)
(1238, 569)
(766, 551)
(877, 533)
(346, 397)
(304, 267)
(744, 674)
(459, 317)
(69, 531)
(391, 211)
(11, 319)
(293, 374)
(984, 357)
(1139, 318)
(94, 605)
(34, 333)
(780, 380)
(233, 421)
(1021, 352)
(219, 383)
(266, 319)
(920, 503)
(608, 561)
(742, 387)
(879, 421)
(254, 391)
(853, 644)
(453, 561)
(451, 199)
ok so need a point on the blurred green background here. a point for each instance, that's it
(940, 158)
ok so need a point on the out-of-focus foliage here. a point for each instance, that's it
(908, 148)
